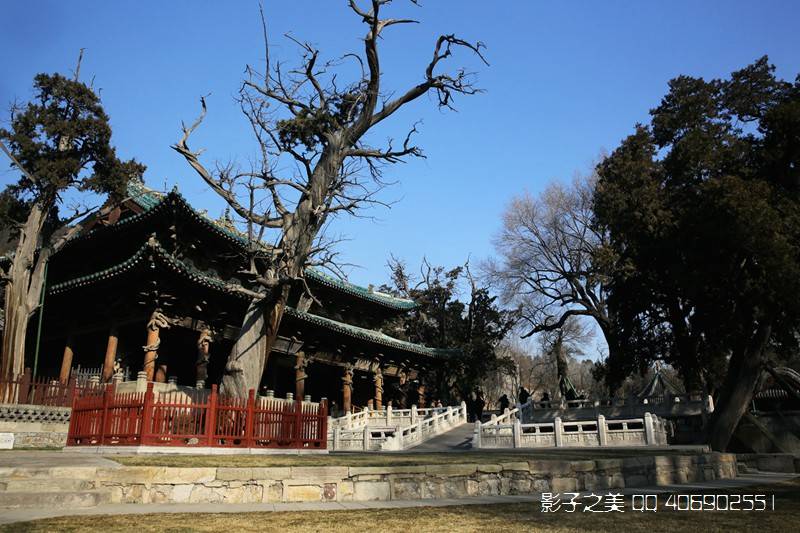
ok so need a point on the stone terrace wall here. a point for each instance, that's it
(35, 426)
(335, 483)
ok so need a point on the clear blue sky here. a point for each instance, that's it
(567, 80)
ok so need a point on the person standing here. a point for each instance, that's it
(523, 395)
(504, 403)
(480, 403)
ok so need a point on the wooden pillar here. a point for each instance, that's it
(151, 348)
(300, 375)
(377, 377)
(161, 373)
(111, 354)
(347, 388)
(421, 394)
(203, 354)
(66, 362)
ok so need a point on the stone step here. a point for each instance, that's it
(53, 500)
(44, 485)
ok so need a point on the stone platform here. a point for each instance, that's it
(102, 482)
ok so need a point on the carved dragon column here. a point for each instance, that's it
(154, 325)
(203, 351)
(301, 362)
(347, 388)
(377, 377)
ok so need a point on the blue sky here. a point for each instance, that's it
(567, 80)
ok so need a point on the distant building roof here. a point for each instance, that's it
(659, 385)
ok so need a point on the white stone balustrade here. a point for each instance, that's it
(508, 432)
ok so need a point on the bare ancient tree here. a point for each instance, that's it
(551, 259)
(307, 116)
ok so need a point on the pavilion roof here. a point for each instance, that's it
(152, 251)
(152, 203)
(659, 385)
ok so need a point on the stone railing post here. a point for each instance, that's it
(558, 430)
(649, 436)
(476, 437)
(516, 431)
(463, 411)
(709, 404)
(602, 430)
(366, 438)
(337, 438)
(141, 381)
(388, 415)
(413, 414)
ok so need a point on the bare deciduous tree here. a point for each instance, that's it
(551, 259)
(307, 116)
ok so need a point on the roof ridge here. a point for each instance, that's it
(387, 300)
(151, 201)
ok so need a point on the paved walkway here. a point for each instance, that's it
(49, 459)
(9, 516)
(457, 439)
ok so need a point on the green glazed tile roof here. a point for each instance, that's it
(154, 202)
(362, 292)
(152, 251)
(368, 334)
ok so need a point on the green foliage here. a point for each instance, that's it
(474, 327)
(703, 209)
(63, 138)
(309, 126)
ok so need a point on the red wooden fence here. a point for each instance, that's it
(24, 389)
(178, 419)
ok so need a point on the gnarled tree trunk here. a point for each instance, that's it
(743, 372)
(248, 357)
(22, 292)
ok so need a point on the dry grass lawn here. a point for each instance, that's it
(493, 518)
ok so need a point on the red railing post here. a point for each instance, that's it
(249, 416)
(211, 415)
(297, 429)
(323, 413)
(70, 392)
(147, 415)
(24, 386)
(107, 396)
(74, 417)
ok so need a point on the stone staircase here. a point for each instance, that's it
(47, 487)
(392, 429)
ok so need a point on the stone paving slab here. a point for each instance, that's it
(20, 515)
(50, 459)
